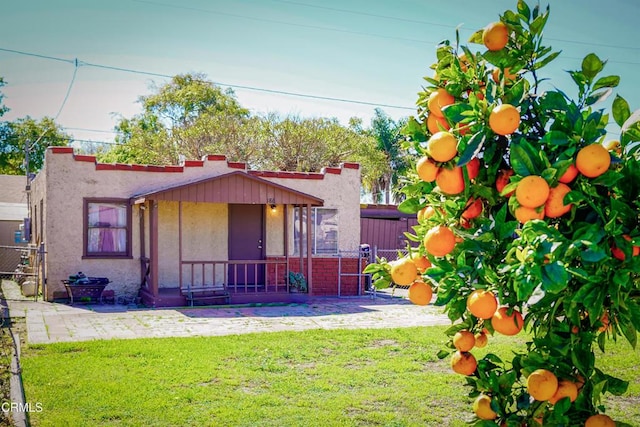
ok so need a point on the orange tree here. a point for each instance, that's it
(532, 220)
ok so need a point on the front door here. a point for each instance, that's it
(246, 243)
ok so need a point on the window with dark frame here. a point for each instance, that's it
(324, 237)
(107, 228)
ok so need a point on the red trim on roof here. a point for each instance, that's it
(237, 165)
(349, 165)
(336, 171)
(216, 157)
(61, 150)
(84, 158)
(193, 163)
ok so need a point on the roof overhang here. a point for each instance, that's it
(236, 187)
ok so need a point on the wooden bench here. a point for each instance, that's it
(205, 293)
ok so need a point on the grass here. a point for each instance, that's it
(379, 377)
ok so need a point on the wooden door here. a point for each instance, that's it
(246, 242)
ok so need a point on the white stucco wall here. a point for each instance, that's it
(68, 179)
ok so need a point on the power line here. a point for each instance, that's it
(234, 86)
(293, 24)
(89, 130)
(437, 24)
(73, 79)
(53, 58)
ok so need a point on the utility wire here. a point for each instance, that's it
(234, 86)
(73, 79)
(436, 24)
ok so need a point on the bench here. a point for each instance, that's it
(89, 292)
(205, 293)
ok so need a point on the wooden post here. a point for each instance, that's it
(143, 264)
(180, 247)
(309, 250)
(153, 247)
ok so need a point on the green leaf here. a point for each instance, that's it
(516, 93)
(631, 333)
(523, 9)
(591, 66)
(616, 386)
(547, 59)
(455, 113)
(413, 129)
(609, 81)
(554, 277)
(621, 110)
(522, 162)
(473, 147)
(411, 205)
(555, 138)
(476, 37)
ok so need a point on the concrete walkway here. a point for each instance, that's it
(51, 322)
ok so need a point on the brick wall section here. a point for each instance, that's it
(325, 275)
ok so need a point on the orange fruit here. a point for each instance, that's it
(554, 207)
(403, 271)
(482, 303)
(421, 262)
(420, 293)
(425, 213)
(507, 324)
(436, 124)
(508, 75)
(482, 408)
(566, 388)
(495, 36)
(593, 160)
(542, 384)
(481, 340)
(524, 214)
(569, 175)
(463, 363)
(473, 208)
(427, 169)
(532, 191)
(473, 168)
(439, 241)
(605, 322)
(502, 180)
(464, 340)
(504, 119)
(450, 181)
(599, 420)
(437, 100)
(619, 253)
(442, 146)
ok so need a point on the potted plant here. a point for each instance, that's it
(297, 282)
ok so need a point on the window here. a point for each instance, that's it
(107, 228)
(324, 223)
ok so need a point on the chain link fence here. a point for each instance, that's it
(23, 265)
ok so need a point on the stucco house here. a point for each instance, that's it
(207, 228)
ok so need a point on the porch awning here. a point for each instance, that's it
(235, 187)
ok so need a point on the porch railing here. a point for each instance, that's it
(236, 276)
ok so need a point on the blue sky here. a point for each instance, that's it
(369, 51)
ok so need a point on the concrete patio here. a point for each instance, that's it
(52, 322)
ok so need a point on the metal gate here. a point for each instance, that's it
(25, 266)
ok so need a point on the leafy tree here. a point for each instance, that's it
(389, 141)
(528, 217)
(32, 134)
(188, 116)
(192, 117)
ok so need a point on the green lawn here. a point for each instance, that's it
(380, 377)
